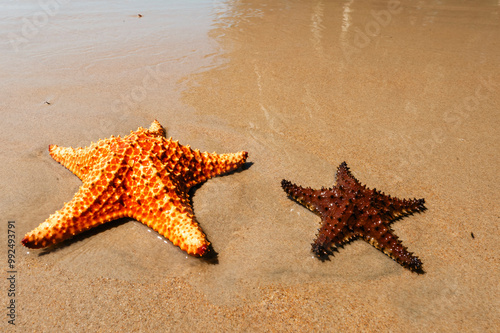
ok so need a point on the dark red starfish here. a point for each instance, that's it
(350, 210)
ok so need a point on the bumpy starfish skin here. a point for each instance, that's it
(351, 210)
(143, 176)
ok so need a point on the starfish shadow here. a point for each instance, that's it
(211, 257)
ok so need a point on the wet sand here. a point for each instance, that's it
(407, 94)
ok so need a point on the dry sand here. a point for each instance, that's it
(408, 95)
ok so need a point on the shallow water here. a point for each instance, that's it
(407, 95)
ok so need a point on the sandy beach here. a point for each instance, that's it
(407, 93)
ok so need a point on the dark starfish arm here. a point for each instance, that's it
(398, 208)
(331, 234)
(339, 223)
(384, 239)
(305, 196)
(346, 179)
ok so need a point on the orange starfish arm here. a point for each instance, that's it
(211, 165)
(81, 160)
(92, 205)
(73, 159)
(164, 206)
(178, 225)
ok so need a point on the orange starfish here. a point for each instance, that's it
(143, 176)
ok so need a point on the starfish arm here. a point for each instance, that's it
(383, 238)
(72, 159)
(399, 208)
(81, 161)
(394, 207)
(176, 222)
(333, 232)
(191, 165)
(307, 197)
(346, 179)
(338, 226)
(92, 205)
(96, 202)
(164, 206)
(206, 165)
